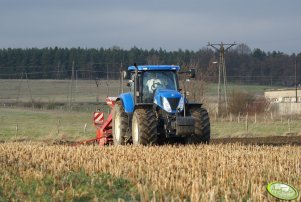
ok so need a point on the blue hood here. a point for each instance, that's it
(172, 96)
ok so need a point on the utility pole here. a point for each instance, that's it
(221, 71)
(58, 71)
(76, 90)
(71, 86)
(121, 79)
(296, 80)
(107, 80)
(19, 90)
(29, 89)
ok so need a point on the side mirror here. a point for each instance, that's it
(191, 73)
(129, 84)
(125, 75)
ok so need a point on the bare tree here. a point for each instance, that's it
(243, 49)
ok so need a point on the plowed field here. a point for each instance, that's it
(272, 140)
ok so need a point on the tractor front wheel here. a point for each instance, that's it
(202, 126)
(144, 127)
(119, 124)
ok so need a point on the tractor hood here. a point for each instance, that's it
(169, 100)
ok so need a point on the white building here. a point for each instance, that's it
(284, 100)
(286, 95)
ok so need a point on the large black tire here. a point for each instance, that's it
(202, 126)
(119, 124)
(144, 127)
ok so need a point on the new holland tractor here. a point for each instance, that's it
(156, 110)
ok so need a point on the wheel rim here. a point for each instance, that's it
(117, 130)
(135, 131)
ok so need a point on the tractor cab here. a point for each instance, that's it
(155, 84)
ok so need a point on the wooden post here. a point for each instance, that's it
(58, 126)
(247, 126)
(85, 128)
(17, 129)
(289, 125)
(255, 121)
(238, 118)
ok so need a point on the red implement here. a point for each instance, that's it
(103, 127)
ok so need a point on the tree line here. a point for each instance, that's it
(243, 64)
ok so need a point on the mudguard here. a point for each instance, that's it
(128, 102)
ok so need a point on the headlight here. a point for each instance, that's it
(166, 105)
(181, 104)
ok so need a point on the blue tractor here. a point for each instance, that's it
(156, 112)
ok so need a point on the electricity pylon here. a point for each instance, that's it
(221, 72)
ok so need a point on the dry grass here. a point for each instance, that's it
(195, 173)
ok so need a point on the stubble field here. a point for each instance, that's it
(222, 172)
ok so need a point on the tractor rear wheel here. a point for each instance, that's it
(202, 126)
(144, 127)
(119, 124)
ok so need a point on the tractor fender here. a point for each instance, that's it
(127, 101)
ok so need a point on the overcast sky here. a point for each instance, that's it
(167, 24)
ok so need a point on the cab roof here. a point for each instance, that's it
(155, 67)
